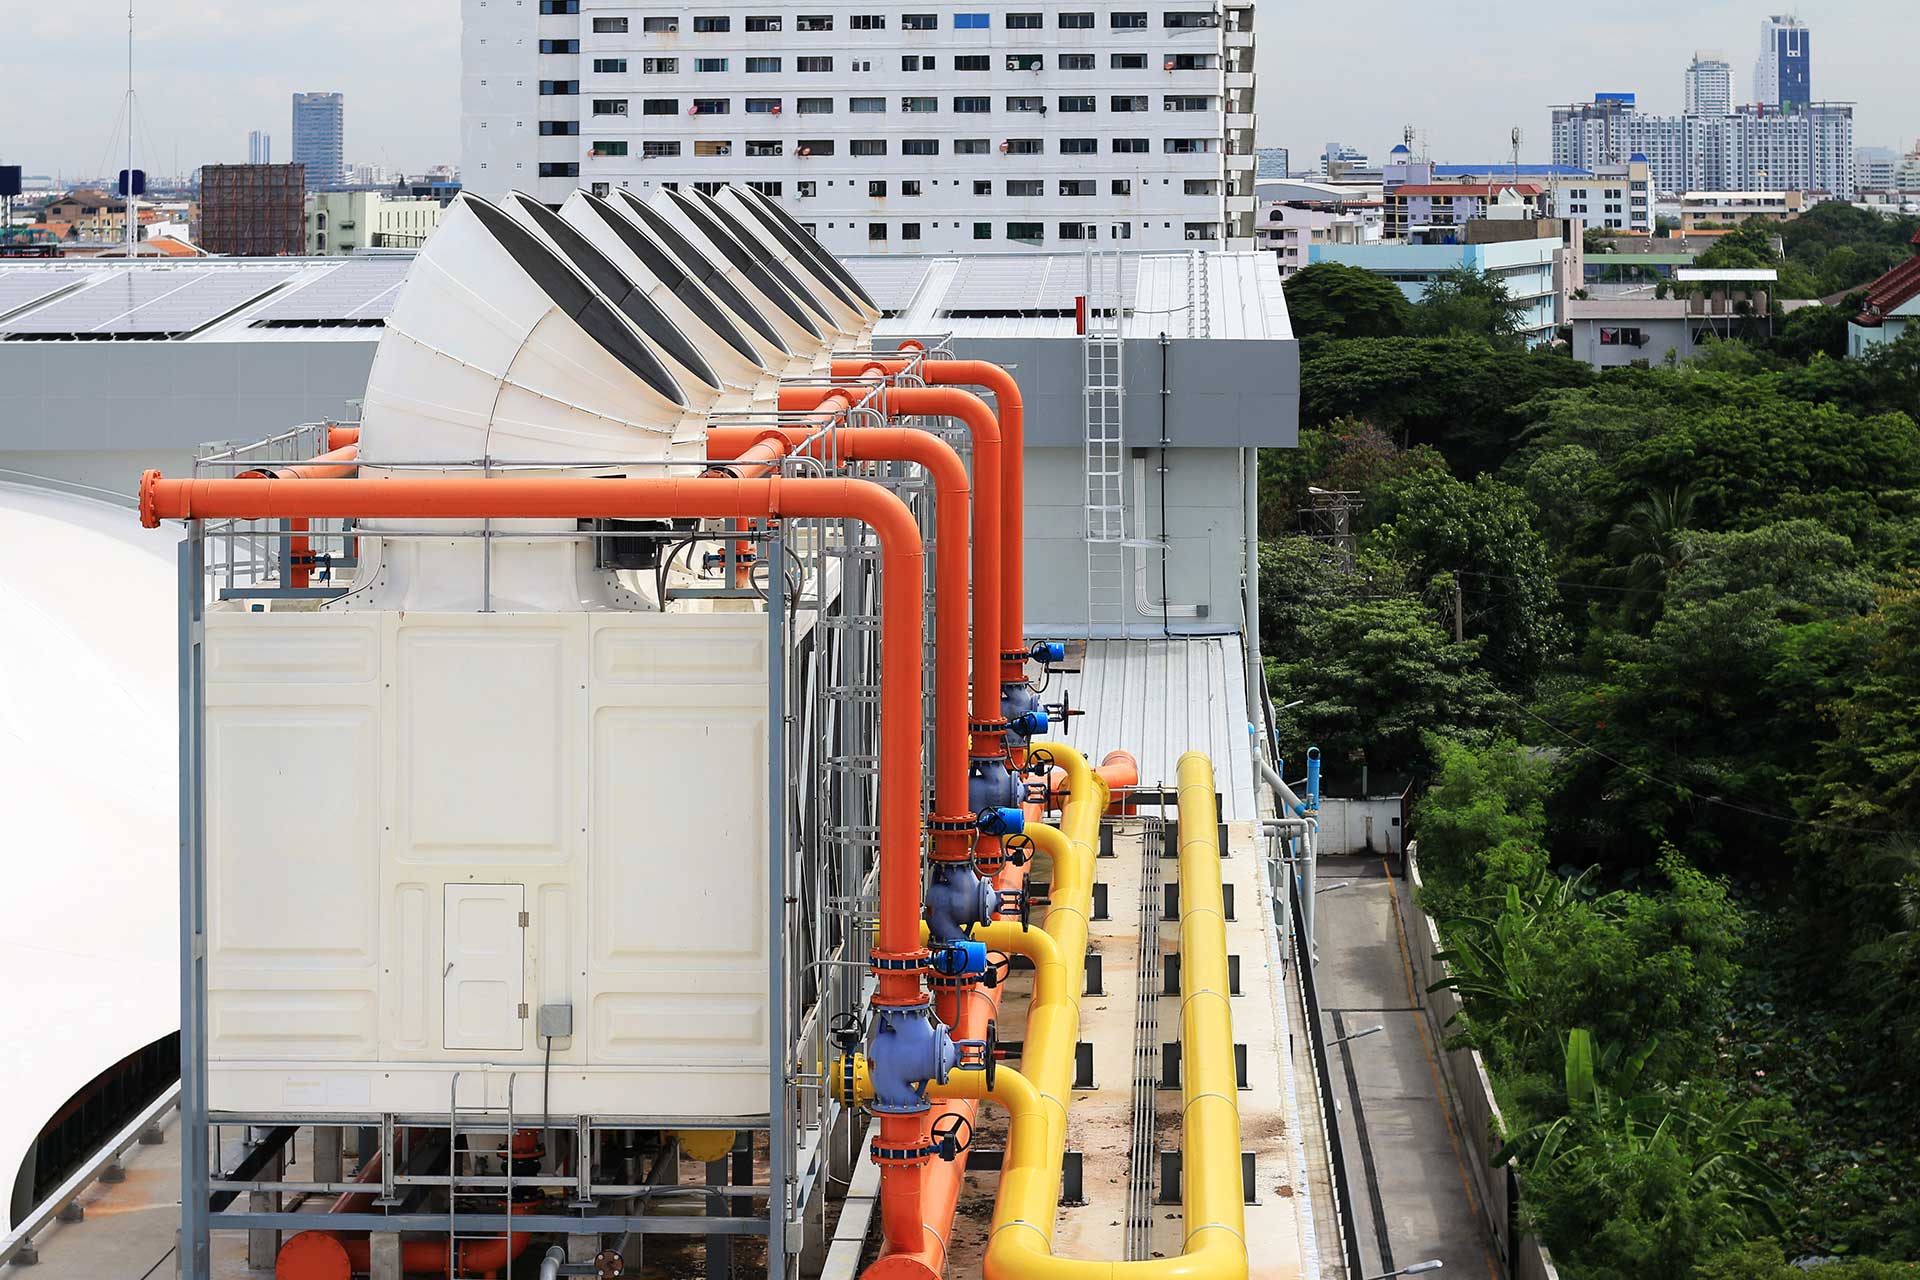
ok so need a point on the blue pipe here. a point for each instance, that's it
(1313, 779)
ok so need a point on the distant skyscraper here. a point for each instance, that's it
(1782, 76)
(1709, 86)
(259, 147)
(319, 130)
(1270, 162)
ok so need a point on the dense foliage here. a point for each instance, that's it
(1670, 768)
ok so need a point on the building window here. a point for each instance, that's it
(1026, 232)
(910, 187)
(709, 64)
(1186, 102)
(1023, 146)
(1127, 21)
(983, 231)
(1074, 231)
(867, 22)
(765, 147)
(561, 88)
(559, 128)
(1130, 146)
(1077, 186)
(1123, 186)
(659, 150)
(876, 231)
(1023, 22)
(971, 62)
(609, 26)
(805, 190)
(1128, 61)
(712, 106)
(712, 25)
(982, 187)
(970, 146)
(867, 147)
(763, 106)
(659, 106)
(659, 66)
(652, 26)
(920, 146)
(1076, 22)
(918, 62)
(971, 22)
(1024, 188)
(1128, 102)
(559, 6)
(608, 147)
(866, 106)
(919, 22)
(816, 146)
(713, 148)
(1076, 62)
(814, 106)
(813, 64)
(909, 231)
(559, 46)
(567, 169)
(762, 66)
(1026, 104)
(1076, 102)
(610, 66)
(1185, 146)
(1079, 146)
(1189, 19)
(923, 105)
(814, 22)
(876, 190)
(767, 188)
(764, 22)
(1025, 61)
(609, 106)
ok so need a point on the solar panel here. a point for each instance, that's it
(22, 287)
(891, 282)
(1026, 285)
(149, 302)
(360, 292)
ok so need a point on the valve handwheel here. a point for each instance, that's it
(999, 969)
(992, 1054)
(952, 1133)
(844, 1030)
(1040, 761)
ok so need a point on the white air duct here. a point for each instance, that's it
(803, 330)
(736, 209)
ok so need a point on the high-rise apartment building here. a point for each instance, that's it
(319, 135)
(1709, 85)
(1781, 75)
(1876, 169)
(1749, 149)
(259, 147)
(945, 128)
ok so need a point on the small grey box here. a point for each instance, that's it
(556, 1020)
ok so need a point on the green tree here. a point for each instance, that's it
(1481, 824)
(1333, 300)
(1467, 303)
(1812, 330)
(1653, 542)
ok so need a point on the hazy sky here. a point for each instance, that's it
(1463, 71)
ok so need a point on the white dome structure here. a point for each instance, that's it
(89, 781)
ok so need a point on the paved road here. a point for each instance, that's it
(1412, 1197)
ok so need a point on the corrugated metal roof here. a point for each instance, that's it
(1162, 698)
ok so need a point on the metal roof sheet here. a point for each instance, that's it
(356, 290)
(1162, 698)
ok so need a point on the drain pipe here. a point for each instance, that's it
(1291, 810)
(907, 1049)
(551, 1263)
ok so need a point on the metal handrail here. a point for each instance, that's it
(21, 1237)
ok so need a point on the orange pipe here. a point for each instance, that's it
(340, 437)
(988, 513)
(1011, 413)
(949, 475)
(341, 460)
(322, 1255)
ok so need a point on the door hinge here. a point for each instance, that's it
(523, 924)
(523, 1012)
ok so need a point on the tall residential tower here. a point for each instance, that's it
(259, 147)
(1781, 76)
(319, 130)
(1040, 125)
(1709, 85)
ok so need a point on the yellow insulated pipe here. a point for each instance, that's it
(1211, 1192)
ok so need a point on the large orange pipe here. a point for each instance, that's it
(988, 515)
(903, 569)
(341, 459)
(1012, 417)
(949, 475)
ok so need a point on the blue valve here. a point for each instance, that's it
(1028, 723)
(957, 899)
(989, 783)
(1048, 652)
(959, 959)
(1001, 821)
(909, 1049)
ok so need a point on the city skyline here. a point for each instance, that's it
(207, 73)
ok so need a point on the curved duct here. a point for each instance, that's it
(752, 226)
(828, 295)
(689, 368)
(721, 228)
(498, 347)
(707, 273)
(696, 312)
(778, 216)
(795, 322)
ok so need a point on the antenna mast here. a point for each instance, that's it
(133, 217)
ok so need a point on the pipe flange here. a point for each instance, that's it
(912, 962)
(953, 826)
(904, 1155)
(986, 726)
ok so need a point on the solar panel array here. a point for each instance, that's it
(23, 288)
(891, 281)
(148, 302)
(1015, 285)
(361, 291)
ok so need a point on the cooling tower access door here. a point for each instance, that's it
(484, 976)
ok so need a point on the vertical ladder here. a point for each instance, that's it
(1104, 394)
(465, 1183)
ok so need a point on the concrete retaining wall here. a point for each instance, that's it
(1470, 1092)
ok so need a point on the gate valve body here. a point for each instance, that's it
(989, 783)
(957, 899)
(909, 1049)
